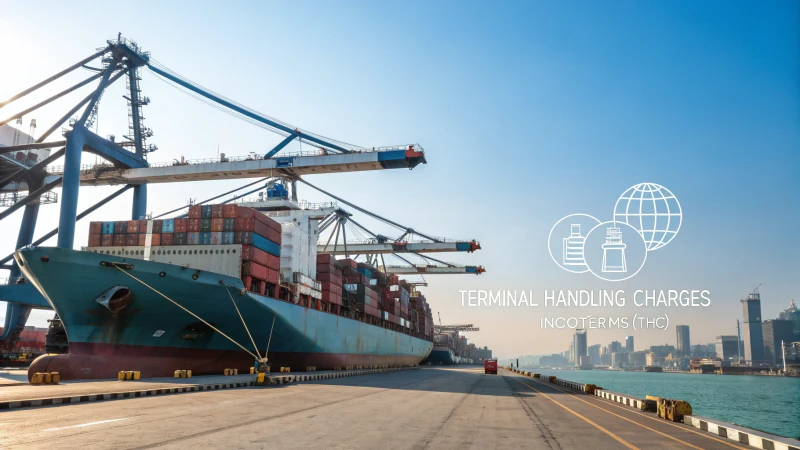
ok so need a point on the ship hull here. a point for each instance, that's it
(442, 356)
(153, 334)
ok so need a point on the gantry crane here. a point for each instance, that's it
(127, 162)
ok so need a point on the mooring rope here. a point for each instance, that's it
(270, 336)
(193, 314)
(243, 323)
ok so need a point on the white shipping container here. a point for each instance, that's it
(222, 259)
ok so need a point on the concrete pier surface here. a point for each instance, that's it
(432, 408)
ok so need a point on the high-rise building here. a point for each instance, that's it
(792, 314)
(684, 346)
(727, 347)
(637, 359)
(619, 359)
(662, 351)
(776, 331)
(594, 353)
(581, 345)
(571, 355)
(615, 347)
(629, 344)
(753, 331)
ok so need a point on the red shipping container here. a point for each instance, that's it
(119, 240)
(329, 277)
(246, 212)
(131, 240)
(216, 212)
(121, 227)
(133, 226)
(230, 211)
(181, 225)
(250, 253)
(95, 239)
(166, 238)
(255, 270)
(275, 225)
(193, 225)
(331, 298)
(217, 224)
(244, 223)
(95, 227)
(349, 263)
(273, 262)
(328, 286)
(273, 276)
(155, 239)
(274, 236)
(262, 229)
(195, 212)
(325, 258)
(142, 239)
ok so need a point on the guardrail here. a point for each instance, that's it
(677, 411)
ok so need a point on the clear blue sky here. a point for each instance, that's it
(529, 111)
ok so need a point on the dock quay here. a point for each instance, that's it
(437, 407)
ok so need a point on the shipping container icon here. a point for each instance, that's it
(572, 251)
(614, 252)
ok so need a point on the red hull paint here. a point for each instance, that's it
(100, 361)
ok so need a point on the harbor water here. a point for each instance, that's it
(766, 403)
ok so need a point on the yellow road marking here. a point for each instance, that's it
(651, 418)
(619, 439)
(638, 413)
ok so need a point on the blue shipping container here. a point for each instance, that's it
(472, 270)
(364, 271)
(216, 237)
(193, 238)
(168, 226)
(205, 238)
(108, 228)
(462, 246)
(205, 212)
(266, 245)
(227, 237)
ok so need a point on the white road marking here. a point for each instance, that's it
(87, 424)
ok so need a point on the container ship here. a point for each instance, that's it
(222, 288)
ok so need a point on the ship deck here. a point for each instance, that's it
(458, 407)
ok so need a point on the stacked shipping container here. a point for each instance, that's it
(329, 274)
(259, 236)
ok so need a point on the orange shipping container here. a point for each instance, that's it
(181, 225)
(230, 211)
(133, 226)
(217, 224)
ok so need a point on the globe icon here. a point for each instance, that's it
(652, 210)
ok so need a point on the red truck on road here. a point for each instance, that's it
(490, 366)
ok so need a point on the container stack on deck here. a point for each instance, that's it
(394, 300)
(272, 259)
(424, 318)
(359, 281)
(329, 274)
(247, 243)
